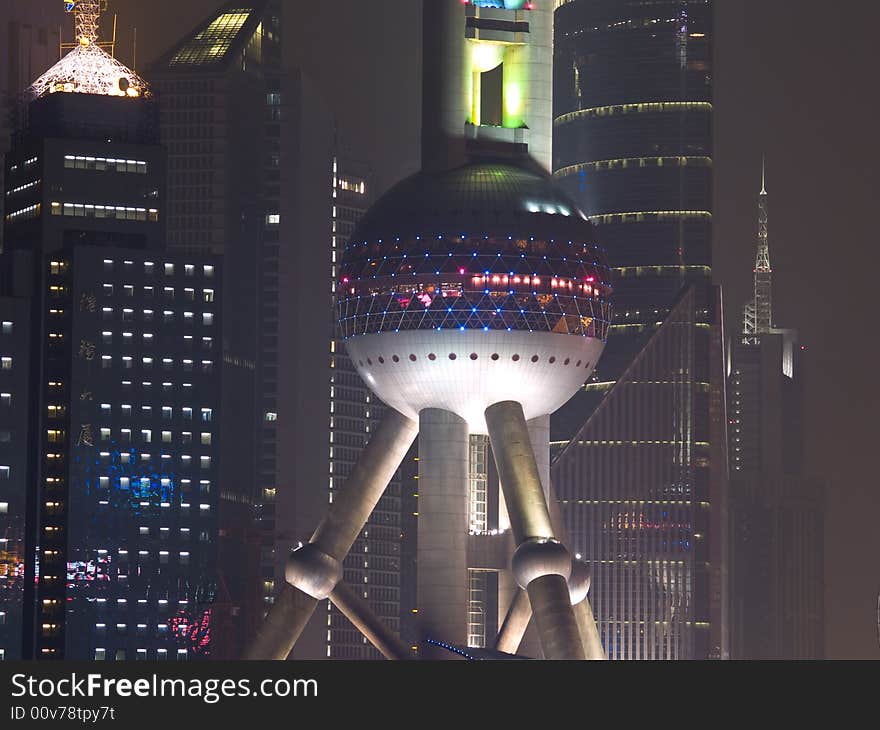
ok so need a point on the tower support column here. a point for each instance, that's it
(443, 529)
(541, 564)
(314, 570)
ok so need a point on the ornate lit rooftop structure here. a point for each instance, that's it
(88, 68)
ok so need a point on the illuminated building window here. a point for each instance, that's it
(31, 211)
(106, 362)
(273, 219)
(168, 293)
(7, 328)
(149, 267)
(4, 508)
(188, 317)
(6, 363)
(100, 654)
(213, 42)
(105, 434)
(148, 315)
(167, 316)
(187, 414)
(206, 439)
(169, 269)
(6, 399)
(105, 164)
(207, 414)
(208, 271)
(207, 318)
(208, 295)
(204, 463)
(146, 436)
(108, 265)
(189, 295)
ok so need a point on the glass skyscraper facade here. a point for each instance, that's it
(633, 147)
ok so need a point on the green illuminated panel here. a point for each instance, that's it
(214, 42)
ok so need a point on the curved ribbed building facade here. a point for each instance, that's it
(633, 146)
(642, 479)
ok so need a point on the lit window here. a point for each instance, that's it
(189, 270)
(166, 437)
(208, 270)
(206, 439)
(208, 295)
(7, 328)
(6, 363)
(273, 219)
(169, 269)
(207, 318)
(146, 436)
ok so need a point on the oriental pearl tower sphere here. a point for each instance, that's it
(473, 298)
(473, 286)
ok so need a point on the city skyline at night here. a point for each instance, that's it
(265, 141)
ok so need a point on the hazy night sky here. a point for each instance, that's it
(794, 79)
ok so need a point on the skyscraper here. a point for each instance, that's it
(222, 96)
(375, 561)
(776, 508)
(30, 39)
(118, 465)
(633, 147)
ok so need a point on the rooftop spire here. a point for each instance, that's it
(87, 19)
(763, 175)
(758, 313)
(88, 68)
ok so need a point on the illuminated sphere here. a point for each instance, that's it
(464, 288)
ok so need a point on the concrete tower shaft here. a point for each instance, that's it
(487, 81)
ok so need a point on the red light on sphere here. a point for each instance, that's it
(345, 280)
(462, 271)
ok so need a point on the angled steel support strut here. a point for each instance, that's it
(314, 571)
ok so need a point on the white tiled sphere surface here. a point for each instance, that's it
(540, 370)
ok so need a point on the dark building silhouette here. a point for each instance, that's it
(633, 147)
(776, 508)
(222, 99)
(29, 39)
